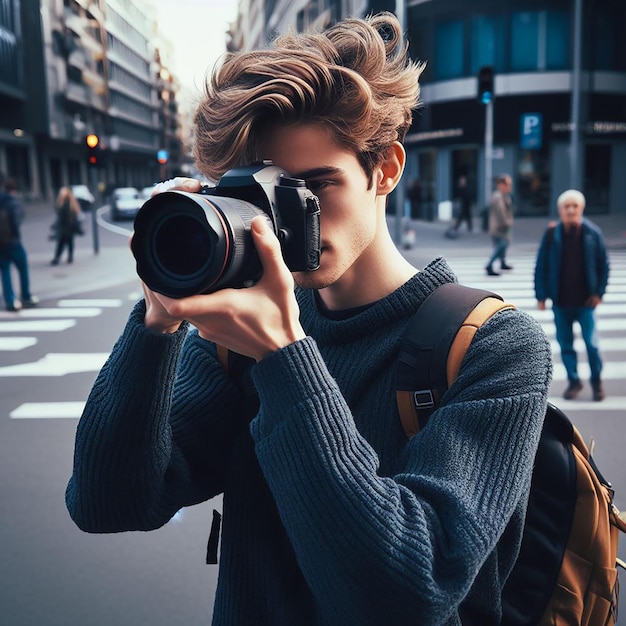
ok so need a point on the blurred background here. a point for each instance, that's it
(535, 88)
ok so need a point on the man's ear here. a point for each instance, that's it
(390, 170)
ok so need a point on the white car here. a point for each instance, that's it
(125, 203)
(84, 196)
(146, 192)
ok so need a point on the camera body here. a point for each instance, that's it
(189, 243)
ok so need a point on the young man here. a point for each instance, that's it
(12, 251)
(572, 270)
(331, 515)
(500, 223)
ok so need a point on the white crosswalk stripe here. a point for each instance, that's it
(19, 332)
(517, 287)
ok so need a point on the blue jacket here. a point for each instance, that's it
(549, 255)
(11, 204)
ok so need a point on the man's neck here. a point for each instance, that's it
(379, 271)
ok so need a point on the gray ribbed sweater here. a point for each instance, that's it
(330, 515)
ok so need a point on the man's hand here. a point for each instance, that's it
(254, 321)
(179, 183)
(541, 305)
(593, 301)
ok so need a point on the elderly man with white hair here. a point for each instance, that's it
(572, 270)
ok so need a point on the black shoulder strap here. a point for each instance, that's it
(422, 374)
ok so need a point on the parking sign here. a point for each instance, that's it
(531, 131)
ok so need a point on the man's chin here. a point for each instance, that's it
(311, 280)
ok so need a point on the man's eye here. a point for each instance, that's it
(317, 185)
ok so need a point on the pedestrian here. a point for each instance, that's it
(12, 251)
(500, 223)
(463, 204)
(331, 515)
(572, 270)
(67, 224)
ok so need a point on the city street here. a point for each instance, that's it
(55, 575)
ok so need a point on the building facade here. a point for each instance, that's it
(558, 113)
(75, 67)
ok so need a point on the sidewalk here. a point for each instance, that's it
(527, 233)
(113, 264)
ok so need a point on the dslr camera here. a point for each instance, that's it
(189, 243)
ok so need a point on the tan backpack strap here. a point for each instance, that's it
(462, 340)
(432, 348)
(222, 357)
(407, 402)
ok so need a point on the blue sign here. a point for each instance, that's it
(163, 156)
(531, 130)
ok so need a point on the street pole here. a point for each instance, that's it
(93, 184)
(488, 150)
(400, 192)
(574, 154)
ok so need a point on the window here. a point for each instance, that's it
(524, 41)
(449, 52)
(486, 43)
(558, 44)
(597, 178)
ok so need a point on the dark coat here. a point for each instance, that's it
(550, 253)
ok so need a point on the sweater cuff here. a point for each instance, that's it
(286, 379)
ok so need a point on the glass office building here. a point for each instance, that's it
(558, 115)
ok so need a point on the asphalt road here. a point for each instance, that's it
(53, 574)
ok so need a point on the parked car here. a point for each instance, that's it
(146, 192)
(84, 196)
(125, 203)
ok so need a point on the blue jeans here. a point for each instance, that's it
(500, 245)
(564, 318)
(14, 253)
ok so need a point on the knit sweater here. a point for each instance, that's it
(331, 515)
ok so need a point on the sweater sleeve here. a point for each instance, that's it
(404, 548)
(154, 433)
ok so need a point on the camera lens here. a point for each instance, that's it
(188, 243)
(182, 232)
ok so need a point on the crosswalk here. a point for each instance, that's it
(23, 331)
(26, 330)
(517, 287)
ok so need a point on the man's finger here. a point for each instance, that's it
(266, 243)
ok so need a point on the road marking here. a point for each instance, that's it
(610, 371)
(36, 326)
(612, 403)
(608, 344)
(102, 303)
(55, 364)
(38, 313)
(8, 344)
(48, 410)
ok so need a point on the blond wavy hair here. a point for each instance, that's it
(355, 78)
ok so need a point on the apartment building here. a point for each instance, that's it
(74, 67)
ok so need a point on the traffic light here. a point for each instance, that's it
(163, 156)
(93, 150)
(485, 84)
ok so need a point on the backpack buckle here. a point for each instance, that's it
(424, 399)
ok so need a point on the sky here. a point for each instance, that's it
(196, 30)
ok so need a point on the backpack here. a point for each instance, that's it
(566, 571)
(7, 233)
